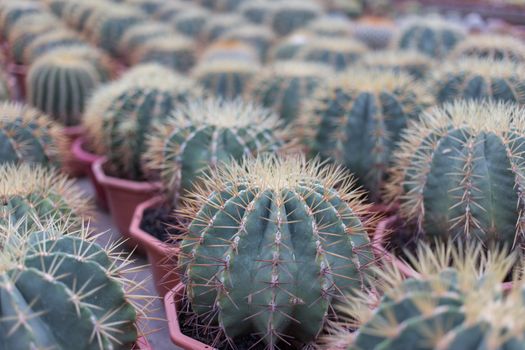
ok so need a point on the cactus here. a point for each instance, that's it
(170, 9)
(271, 248)
(226, 79)
(412, 62)
(49, 41)
(457, 173)
(140, 34)
(59, 84)
(5, 86)
(219, 24)
(62, 290)
(258, 11)
(206, 133)
(258, 36)
(39, 194)
(375, 32)
(495, 47)
(331, 26)
(27, 135)
(226, 49)
(285, 86)
(293, 14)
(191, 22)
(221, 5)
(174, 51)
(480, 79)
(358, 117)
(149, 7)
(454, 302)
(288, 47)
(433, 36)
(338, 53)
(12, 11)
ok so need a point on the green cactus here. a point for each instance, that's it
(219, 24)
(291, 15)
(338, 53)
(221, 5)
(27, 135)
(457, 173)
(331, 26)
(357, 119)
(412, 62)
(258, 11)
(191, 22)
(149, 7)
(174, 51)
(376, 33)
(140, 34)
(433, 36)
(229, 49)
(491, 46)
(12, 11)
(5, 86)
(289, 47)
(258, 36)
(285, 86)
(454, 301)
(480, 79)
(272, 247)
(206, 133)
(50, 41)
(62, 290)
(225, 79)
(170, 9)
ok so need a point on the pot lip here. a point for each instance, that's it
(171, 299)
(78, 150)
(149, 242)
(124, 184)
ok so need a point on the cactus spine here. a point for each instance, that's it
(272, 246)
(494, 47)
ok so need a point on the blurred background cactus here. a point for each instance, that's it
(491, 46)
(293, 14)
(412, 62)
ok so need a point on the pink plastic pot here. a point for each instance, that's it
(123, 197)
(142, 344)
(86, 159)
(172, 301)
(162, 257)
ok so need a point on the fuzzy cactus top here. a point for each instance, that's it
(491, 46)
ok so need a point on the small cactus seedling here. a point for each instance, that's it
(286, 86)
(338, 53)
(357, 119)
(258, 36)
(27, 135)
(219, 24)
(491, 46)
(293, 14)
(455, 302)
(38, 193)
(273, 245)
(433, 36)
(480, 79)
(331, 26)
(258, 11)
(140, 34)
(412, 62)
(191, 22)
(458, 173)
(225, 78)
(174, 51)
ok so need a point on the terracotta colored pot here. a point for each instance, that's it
(162, 257)
(19, 72)
(123, 197)
(171, 303)
(142, 344)
(86, 159)
(73, 167)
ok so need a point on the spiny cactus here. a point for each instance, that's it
(412, 62)
(219, 24)
(39, 193)
(258, 11)
(357, 119)
(435, 37)
(375, 32)
(457, 173)
(13, 10)
(140, 34)
(331, 26)
(338, 53)
(293, 14)
(225, 78)
(258, 36)
(288, 47)
(221, 5)
(191, 22)
(229, 49)
(27, 135)
(491, 46)
(149, 7)
(286, 86)
(62, 290)
(272, 246)
(168, 10)
(479, 79)
(455, 302)
(49, 41)
(59, 84)
(206, 133)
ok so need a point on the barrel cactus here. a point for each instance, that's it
(412, 62)
(454, 302)
(50, 41)
(491, 46)
(168, 10)
(229, 49)
(433, 36)
(258, 36)
(191, 22)
(221, 5)
(286, 86)
(375, 32)
(219, 24)
(174, 51)
(480, 79)
(62, 290)
(338, 53)
(140, 34)
(13, 10)
(457, 173)
(357, 119)
(293, 14)
(225, 78)
(331, 26)
(289, 47)
(27, 135)
(258, 11)
(272, 247)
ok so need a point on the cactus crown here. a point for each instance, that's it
(141, 33)
(279, 245)
(174, 51)
(412, 62)
(449, 162)
(454, 302)
(491, 46)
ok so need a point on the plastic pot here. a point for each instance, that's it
(172, 301)
(123, 197)
(162, 257)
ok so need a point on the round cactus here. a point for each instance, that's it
(491, 46)
(149, 7)
(13, 10)
(258, 11)
(50, 41)
(272, 246)
(206, 133)
(375, 32)
(225, 78)
(480, 79)
(357, 120)
(228, 49)
(457, 173)
(258, 36)
(331, 26)
(455, 302)
(191, 22)
(433, 36)
(27, 135)
(338, 53)
(412, 62)
(285, 86)
(219, 24)
(221, 5)
(174, 51)
(168, 10)
(288, 47)
(293, 14)
(140, 34)
(69, 292)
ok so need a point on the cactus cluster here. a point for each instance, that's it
(494, 47)
(272, 247)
